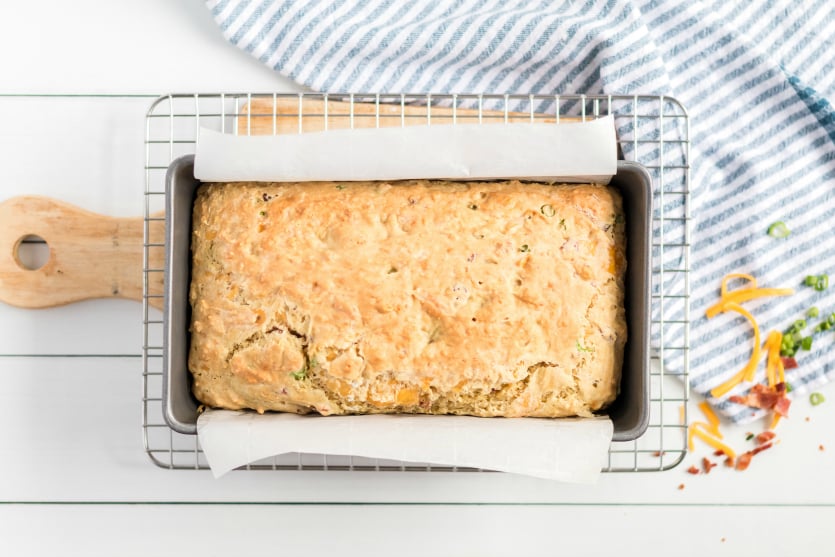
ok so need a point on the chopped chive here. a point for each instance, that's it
(806, 343)
(749, 436)
(340, 186)
(434, 334)
(822, 283)
(582, 348)
(547, 210)
(263, 213)
(812, 312)
(816, 398)
(779, 230)
(299, 375)
(525, 248)
(562, 223)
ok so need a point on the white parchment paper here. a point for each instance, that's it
(569, 450)
(575, 152)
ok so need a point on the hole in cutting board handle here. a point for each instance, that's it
(31, 252)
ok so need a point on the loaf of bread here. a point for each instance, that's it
(484, 299)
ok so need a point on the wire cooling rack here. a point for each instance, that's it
(652, 130)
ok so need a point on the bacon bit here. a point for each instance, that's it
(707, 465)
(808, 419)
(788, 362)
(743, 461)
(722, 540)
(820, 448)
(766, 398)
(693, 470)
(680, 487)
(718, 452)
(729, 461)
(782, 406)
(659, 454)
(765, 436)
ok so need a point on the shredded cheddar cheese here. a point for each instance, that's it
(744, 295)
(728, 278)
(730, 300)
(696, 430)
(747, 372)
(781, 369)
(712, 418)
(721, 390)
(772, 346)
(708, 432)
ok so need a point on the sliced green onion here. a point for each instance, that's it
(806, 343)
(822, 283)
(299, 375)
(340, 186)
(816, 398)
(799, 325)
(547, 210)
(812, 312)
(779, 230)
(788, 349)
(789, 387)
(810, 280)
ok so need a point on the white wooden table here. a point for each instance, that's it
(73, 473)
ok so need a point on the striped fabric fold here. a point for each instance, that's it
(757, 78)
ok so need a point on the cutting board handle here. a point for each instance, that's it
(90, 255)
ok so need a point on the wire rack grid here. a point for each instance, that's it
(652, 130)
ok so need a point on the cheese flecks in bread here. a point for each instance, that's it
(485, 299)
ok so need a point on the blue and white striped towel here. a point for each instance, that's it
(756, 76)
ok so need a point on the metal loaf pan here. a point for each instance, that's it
(629, 412)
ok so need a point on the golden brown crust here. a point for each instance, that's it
(487, 299)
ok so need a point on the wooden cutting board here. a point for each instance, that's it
(97, 256)
(90, 255)
(281, 116)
